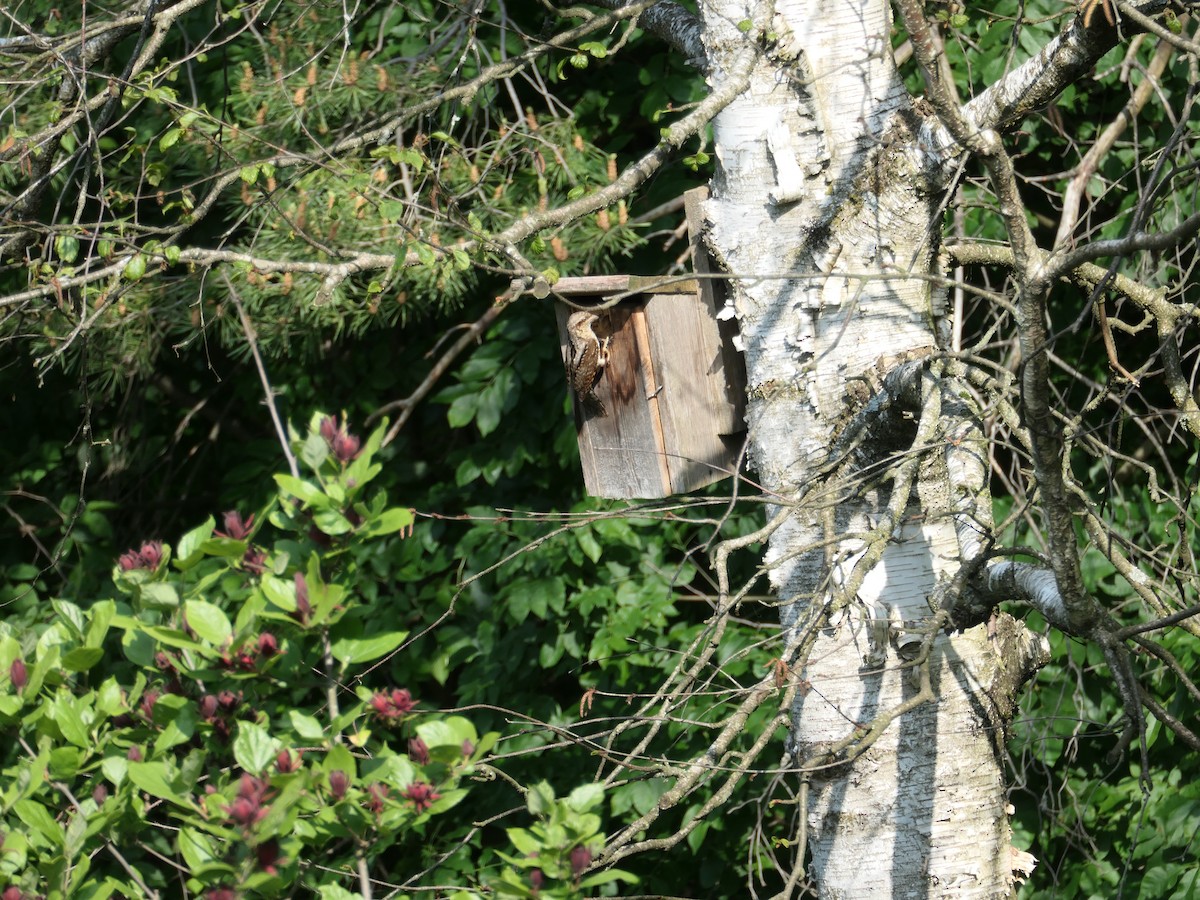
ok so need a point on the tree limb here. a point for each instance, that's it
(1035, 83)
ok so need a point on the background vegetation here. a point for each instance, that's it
(175, 721)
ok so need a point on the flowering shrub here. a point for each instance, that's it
(558, 848)
(213, 727)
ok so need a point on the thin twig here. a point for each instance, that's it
(268, 391)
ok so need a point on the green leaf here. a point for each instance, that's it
(359, 650)
(332, 522)
(69, 614)
(109, 701)
(606, 877)
(39, 819)
(462, 410)
(170, 138)
(73, 841)
(253, 748)
(208, 621)
(102, 614)
(585, 797)
(451, 731)
(525, 842)
(195, 847)
(550, 654)
(65, 762)
(115, 768)
(191, 545)
(490, 408)
(336, 892)
(82, 658)
(157, 595)
(391, 521)
(313, 450)
(588, 544)
(152, 777)
(540, 799)
(67, 247)
(176, 716)
(306, 726)
(340, 759)
(135, 268)
(303, 490)
(172, 637)
(69, 714)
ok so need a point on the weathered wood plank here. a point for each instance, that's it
(619, 452)
(694, 409)
(674, 386)
(598, 286)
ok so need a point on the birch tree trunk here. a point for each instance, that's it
(825, 211)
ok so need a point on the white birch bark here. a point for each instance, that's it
(825, 211)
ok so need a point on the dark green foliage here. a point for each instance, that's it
(204, 710)
(528, 619)
(209, 159)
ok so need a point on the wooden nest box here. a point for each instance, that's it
(666, 415)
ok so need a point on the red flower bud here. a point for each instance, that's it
(329, 429)
(338, 782)
(235, 526)
(285, 763)
(581, 858)
(100, 794)
(378, 794)
(303, 609)
(267, 644)
(268, 856)
(393, 706)
(254, 561)
(345, 447)
(151, 554)
(247, 809)
(242, 811)
(208, 707)
(148, 700)
(147, 557)
(418, 751)
(134, 754)
(421, 795)
(18, 674)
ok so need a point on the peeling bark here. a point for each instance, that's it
(827, 157)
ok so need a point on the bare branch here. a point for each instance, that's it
(671, 22)
(1036, 82)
